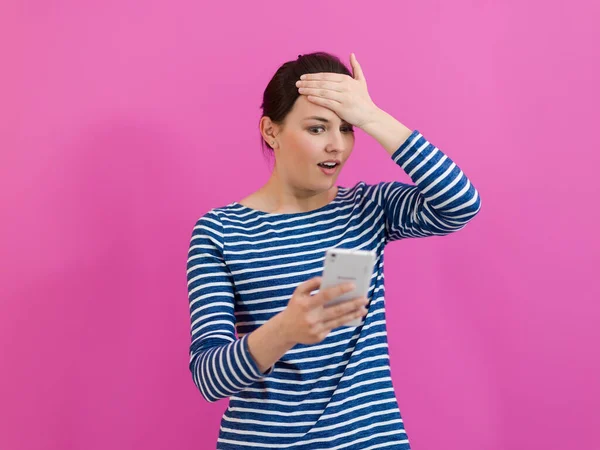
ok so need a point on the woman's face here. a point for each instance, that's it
(310, 136)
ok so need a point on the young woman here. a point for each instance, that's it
(295, 377)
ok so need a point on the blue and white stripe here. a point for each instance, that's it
(244, 266)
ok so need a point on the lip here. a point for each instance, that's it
(329, 172)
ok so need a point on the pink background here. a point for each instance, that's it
(121, 122)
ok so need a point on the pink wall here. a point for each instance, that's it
(123, 121)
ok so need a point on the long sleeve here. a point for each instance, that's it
(441, 201)
(221, 364)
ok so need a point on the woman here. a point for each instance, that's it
(295, 377)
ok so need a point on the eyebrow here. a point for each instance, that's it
(323, 119)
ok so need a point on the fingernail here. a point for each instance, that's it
(302, 77)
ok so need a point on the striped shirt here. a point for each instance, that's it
(243, 267)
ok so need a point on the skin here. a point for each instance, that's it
(297, 184)
(309, 135)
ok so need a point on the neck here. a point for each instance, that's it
(282, 197)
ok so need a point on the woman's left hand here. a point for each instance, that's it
(346, 96)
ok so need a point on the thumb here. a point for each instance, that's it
(356, 69)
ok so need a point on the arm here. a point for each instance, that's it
(442, 201)
(221, 365)
(268, 343)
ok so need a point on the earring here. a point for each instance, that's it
(272, 142)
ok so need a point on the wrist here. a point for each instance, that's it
(388, 131)
(269, 342)
(375, 118)
(283, 327)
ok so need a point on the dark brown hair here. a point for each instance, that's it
(281, 92)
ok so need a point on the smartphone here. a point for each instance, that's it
(342, 266)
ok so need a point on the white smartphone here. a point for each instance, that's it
(342, 266)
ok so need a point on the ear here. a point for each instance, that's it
(269, 131)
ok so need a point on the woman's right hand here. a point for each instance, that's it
(307, 320)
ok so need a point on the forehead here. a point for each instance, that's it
(303, 108)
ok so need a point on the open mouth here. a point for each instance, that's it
(328, 165)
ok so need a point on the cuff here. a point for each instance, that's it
(251, 364)
(414, 141)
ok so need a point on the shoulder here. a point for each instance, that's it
(364, 190)
(377, 193)
(215, 215)
(209, 228)
(361, 194)
(357, 190)
(209, 219)
(217, 219)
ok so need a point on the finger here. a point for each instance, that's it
(324, 102)
(356, 69)
(333, 324)
(317, 84)
(309, 285)
(324, 76)
(335, 312)
(328, 294)
(322, 93)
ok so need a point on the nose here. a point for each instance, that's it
(336, 142)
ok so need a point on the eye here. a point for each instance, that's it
(345, 129)
(312, 129)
